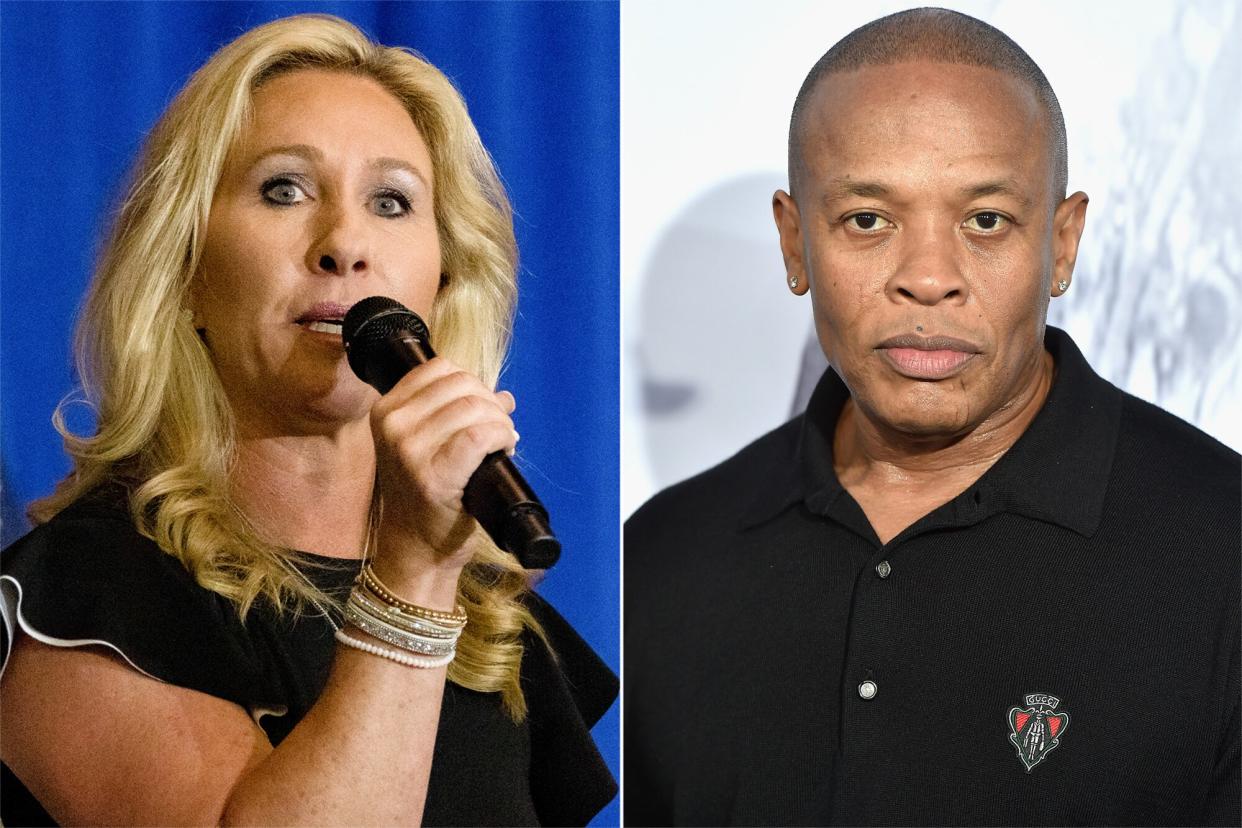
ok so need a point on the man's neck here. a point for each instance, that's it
(311, 493)
(897, 478)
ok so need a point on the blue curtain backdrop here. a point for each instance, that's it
(82, 83)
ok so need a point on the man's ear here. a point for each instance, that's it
(1068, 221)
(789, 225)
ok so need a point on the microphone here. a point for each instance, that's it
(384, 340)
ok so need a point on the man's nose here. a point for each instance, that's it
(340, 246)
(930, 272)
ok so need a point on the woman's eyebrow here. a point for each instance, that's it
(310, 153)
(397, 165)
(305, 151)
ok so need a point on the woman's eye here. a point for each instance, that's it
(390, 204)
(868, 222)
(986, 222)
(283, 191)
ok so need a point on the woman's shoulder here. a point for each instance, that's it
(88, 577)
(570, 661)
(93, 538)
(568, 688)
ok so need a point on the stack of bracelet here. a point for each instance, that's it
(430, 636)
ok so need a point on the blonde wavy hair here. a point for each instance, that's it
(164, 427)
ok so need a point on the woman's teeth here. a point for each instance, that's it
(324, 326)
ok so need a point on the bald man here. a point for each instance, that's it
(973, 583)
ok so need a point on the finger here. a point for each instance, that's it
(416, 434)
(506, 401)
(464, 451)
(420, 377)
(424, 398)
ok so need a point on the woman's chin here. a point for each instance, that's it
(322, 401)
(336, 412)
(344, 403)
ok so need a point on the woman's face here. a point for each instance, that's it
(325, 200)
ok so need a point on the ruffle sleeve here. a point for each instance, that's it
(87, 578)
(566, 694)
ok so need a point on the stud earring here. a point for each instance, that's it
(793, 282)
(1063, 285)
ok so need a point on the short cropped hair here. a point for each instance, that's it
(939, 36)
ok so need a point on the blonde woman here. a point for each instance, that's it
(257, 598)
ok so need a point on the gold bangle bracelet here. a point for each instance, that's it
(457, 618)
(368, 601)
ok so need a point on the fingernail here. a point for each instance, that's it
(516, 436)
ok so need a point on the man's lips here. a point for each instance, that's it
(927, 357)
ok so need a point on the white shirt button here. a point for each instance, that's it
(882, 569)
(867, 690)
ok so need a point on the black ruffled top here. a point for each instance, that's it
(88, 578)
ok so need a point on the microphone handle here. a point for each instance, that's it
(496, 495)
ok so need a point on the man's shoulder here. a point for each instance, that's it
(1161, 449)
(714, 500)
(1173, 497)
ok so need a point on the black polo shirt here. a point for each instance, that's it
(1057, 645)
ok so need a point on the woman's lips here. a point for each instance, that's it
(916, 363)
(324, 321)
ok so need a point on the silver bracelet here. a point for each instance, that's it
(392, 635)
(421, 643)
(412, 624)
(392, 655)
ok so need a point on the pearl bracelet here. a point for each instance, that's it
(422, 662)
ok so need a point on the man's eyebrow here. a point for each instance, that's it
(840, 188)
(1006, 187)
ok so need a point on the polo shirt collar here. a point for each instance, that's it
(1057, 471)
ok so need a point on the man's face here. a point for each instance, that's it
(927, 232)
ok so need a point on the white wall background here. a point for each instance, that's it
(713, 343)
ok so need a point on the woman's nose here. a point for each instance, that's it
(340, 245)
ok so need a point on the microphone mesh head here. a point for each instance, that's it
(370, 323)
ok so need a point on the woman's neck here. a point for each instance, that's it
(311, 493)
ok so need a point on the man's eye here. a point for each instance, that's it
(986, 222)
(390, 204)
(283, 191)
(868, 222)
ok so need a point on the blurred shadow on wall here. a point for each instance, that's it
(1158, 301)
(718, 335)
